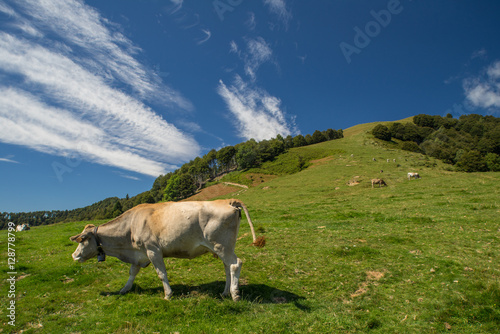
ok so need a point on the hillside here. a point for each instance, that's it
(470, 143)
(415, 256)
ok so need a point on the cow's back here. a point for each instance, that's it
(186, 229)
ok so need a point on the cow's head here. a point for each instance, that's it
(87, 244)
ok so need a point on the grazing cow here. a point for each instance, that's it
(374, 159)
(23, 227)
(414, 175)
(149, 232)
(380, 182)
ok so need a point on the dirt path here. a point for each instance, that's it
(215, 191)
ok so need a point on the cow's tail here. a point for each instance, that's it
(260, 241)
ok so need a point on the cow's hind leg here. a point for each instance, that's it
(134, 270)
(156, 257)
(232, 266)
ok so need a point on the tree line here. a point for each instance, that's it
(182, 183)
(471, 143)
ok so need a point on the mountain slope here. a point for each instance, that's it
(415, 256)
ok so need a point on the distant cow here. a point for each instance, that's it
(149, 232)
(23, 227)
(380, 182)
(414, 175)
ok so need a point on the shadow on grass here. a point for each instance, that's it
(255, 293)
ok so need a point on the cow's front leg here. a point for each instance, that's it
(156, 257)
(227, 268)
(134, 270)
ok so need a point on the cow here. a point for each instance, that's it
(414, 175)
(149, 232)
(23, 227)
(380, 182)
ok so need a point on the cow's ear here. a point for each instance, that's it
(78, 238)
(74, 238)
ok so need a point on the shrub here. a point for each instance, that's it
(411, 146)
(493, 162)
(471, 161)
(381, 132)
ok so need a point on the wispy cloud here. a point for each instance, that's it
(177, 5)
(251, 23)
(484, 91)
(258, 114)
(7, 159)
(94, 91)
(207, 36)
(481, 53)
(279, 8)
(257, 52)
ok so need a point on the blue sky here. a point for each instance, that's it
(98, 98)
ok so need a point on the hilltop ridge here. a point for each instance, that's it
(470, 143)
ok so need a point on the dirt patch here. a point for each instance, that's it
(319, 162)
(374, 275)
(371, 279)
(213, 191)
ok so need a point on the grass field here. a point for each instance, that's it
(419, 256)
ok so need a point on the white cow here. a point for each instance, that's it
(23, 227)
(149, 232)
(414, 175)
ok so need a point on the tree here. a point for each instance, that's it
(171, 192)
(493, 162)
(471, 161)
(299, 141)
(411, 146)
(397, 130)
(288, 142)
(225, 157)
(381, 132)
(117, 209)
(318, 137)
(429, 121)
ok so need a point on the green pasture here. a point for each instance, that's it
(419, 256)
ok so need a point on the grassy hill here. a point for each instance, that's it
(415, 256)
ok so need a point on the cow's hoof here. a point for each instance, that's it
(168, 297)
(123, 291)
(236, 298)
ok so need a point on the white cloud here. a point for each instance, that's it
(251, 22)
(25, 120)
(207, 36)
(102, 48)
(258, 114)
(78, 75)
(258, 52)
(278, 7)
(481, 53)
(484, 91)
(233, 47)
(8, 160)
(177, 5)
